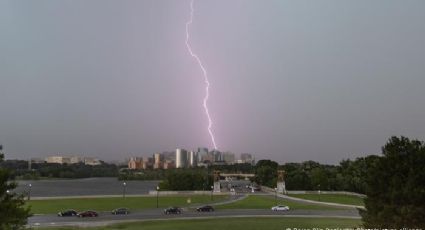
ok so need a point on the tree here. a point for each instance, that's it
(319, 179)
(186, 179)
(395, 186)
(266, 173)
(13, 214)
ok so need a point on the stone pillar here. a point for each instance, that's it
(281, 188)
(217, 181)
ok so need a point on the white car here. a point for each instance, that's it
(280, 208)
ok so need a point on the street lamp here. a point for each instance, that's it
(123, 189)
(29, 191)
(157, 192)
(275, 196)
(212, 189)
(319, 192)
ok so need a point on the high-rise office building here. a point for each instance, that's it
(193, 158)
(218, 156)
(158, 161)
(201, 152)
(181, 158)
(247, 158)
(229, 158)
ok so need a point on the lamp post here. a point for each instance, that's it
(275, 196)
(29, 191)
(319, 192)
(212, 189)
(157, 193)
(123, 189)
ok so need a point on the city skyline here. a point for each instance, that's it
(290, 81)
(164, 155)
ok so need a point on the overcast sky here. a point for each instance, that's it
(290, 80)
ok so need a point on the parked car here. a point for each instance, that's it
(206, 208)
(173, 210)
(88, 214)
(120, 211)
(69, 212)
(280, 208)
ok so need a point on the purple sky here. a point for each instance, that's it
(290, 80)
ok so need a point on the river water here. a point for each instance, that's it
(84, 187)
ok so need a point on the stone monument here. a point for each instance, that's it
(281, 188)
(217, 181)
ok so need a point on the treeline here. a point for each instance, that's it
(235, 168)
(149, 174)
(393, 182)
(19, 170)
(349, 175)
(396, 187)
(162, 174)
(173, 179)
(187, 179)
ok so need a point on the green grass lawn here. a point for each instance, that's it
(332, 198)
(266, 202)
(234, 224)
(108, 204)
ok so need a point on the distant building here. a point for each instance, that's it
(181, 158)
(91, 161)
(193, 159)
(247, 158)
(218, 156)
(58, 160)
(147, 162)
(158, 161)
(169, 156)
(229, 158)
(76, 160)
(37, 161)
(202, 152)
(207, 158)
(169, 165)
(70, 160)
(135, 163)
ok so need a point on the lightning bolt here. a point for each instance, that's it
(204, 71)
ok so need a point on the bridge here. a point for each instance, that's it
(227, 176)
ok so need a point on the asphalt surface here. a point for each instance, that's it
(105, 218)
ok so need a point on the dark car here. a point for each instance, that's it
(88, 214)
(120, 211)
(68, 213)
(173, 210)
(206, 208)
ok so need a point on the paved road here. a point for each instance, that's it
(156, 214)
(105, 218)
